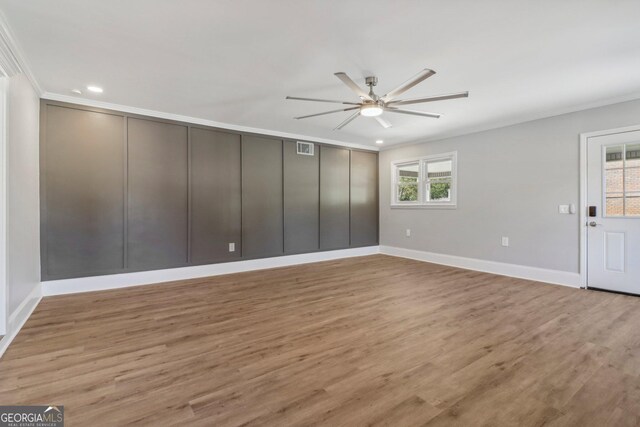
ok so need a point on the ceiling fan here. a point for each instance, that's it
(372, 105)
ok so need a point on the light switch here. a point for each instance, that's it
(505, 241)
(408, 232)
(563, 209)
(232, 247)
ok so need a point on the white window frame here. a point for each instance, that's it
(394, 183)
(422, 202)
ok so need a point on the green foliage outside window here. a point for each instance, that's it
(439, 190)
(408, 189)
(408, 193)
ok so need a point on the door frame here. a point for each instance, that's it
(4, 294)
(584, 139)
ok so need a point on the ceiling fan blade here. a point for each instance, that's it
(321, 100)
(421, 76)
(328, 112)
(348, 120)
(353, 86)
(429, 99)
(385, 124)
(413, 113)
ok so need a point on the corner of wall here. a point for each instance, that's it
(19, 317)
(20, 188)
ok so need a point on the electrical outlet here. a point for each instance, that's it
(408, 232)
(505, 241)
(232, 247)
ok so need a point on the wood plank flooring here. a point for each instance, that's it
(374, 340)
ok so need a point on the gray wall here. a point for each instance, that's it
(510, 183)
(121, 193)
(335, 196)
(85, 169)
(23, 218)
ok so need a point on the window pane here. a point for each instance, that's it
(408, 174)
(439, 181)
(407, 182)
(441, 168)
(614, 185)
(407, 192)
(440, 191)
(632, 180)
(614, 206)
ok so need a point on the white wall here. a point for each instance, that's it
(510, 183)
(23, 208)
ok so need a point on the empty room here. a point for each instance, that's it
(319, 212)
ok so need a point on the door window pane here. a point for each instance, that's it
(622, 180)
(407, 182)
(438, 187)
(614, 182)
(632, 180)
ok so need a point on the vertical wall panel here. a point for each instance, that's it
(157, 213)
(262, 228)
(364, 198)
(215, 195)
(84, 192)
(334, 198)
(301, 200)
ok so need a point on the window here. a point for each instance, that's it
(622, 180)
(407, 182)
(438, 174)
(425, 182)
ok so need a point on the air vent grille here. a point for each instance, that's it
(305, 148)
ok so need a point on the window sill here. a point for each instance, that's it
(424, 206)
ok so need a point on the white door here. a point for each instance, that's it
(613, 217)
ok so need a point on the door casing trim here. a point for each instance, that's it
(584, 139)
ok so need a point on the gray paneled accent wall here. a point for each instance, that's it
(216, 202)
(262, 209)
(334, 197)
(301, 200)
(83, 166)
(157, 194)
(364, 218)
(122, 192)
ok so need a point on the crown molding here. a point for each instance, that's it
(197, 121)
(12, 60)
(605, 102)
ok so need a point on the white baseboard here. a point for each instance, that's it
(115, 281)
(555, 277)
(19, 317)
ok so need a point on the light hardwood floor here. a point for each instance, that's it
(373, 340)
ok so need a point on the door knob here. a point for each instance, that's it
(593, 224)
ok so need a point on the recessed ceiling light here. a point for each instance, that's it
(379, 141)
(95, 89)
(78, 91)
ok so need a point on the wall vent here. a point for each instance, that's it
(305, 148)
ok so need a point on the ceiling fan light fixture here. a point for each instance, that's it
(372, 105)
(371, 110)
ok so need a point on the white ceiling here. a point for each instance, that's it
(234, 61)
